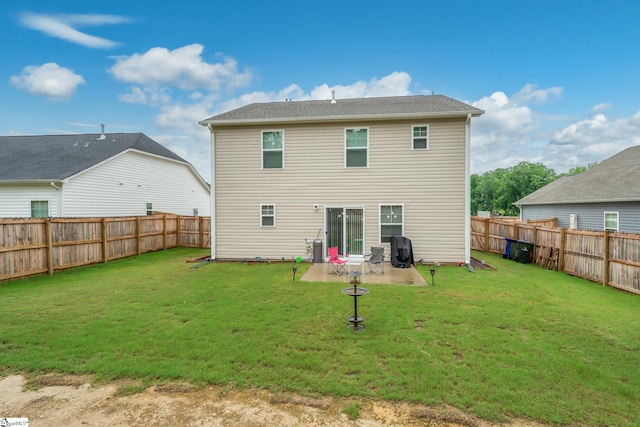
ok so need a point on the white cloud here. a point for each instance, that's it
(601, 107)
(593, 139)
(49, 80)
(395, 84)
(510, 131)
(152, 96)
(531, 94)
(63, 27)
(502, 114)
(181, 133)
(183, 68)
(515, 129)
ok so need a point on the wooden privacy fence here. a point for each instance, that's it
(36, 245)
(610, 258)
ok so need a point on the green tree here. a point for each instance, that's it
(521, 180)
(497, 190)
(578, 169)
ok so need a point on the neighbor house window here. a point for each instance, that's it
(267, 215)
(149, 208)
(420, 137)
(273, 149)
(611, 221)
(39, 209)
(356, 148)
(391, 222)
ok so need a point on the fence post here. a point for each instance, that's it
(486, 234)
(178, 237)
(534, 233)
(605, 271)
(561, 251)
(105, 246)
(138, 234)
(200, 232)
(47, 230)
(164, 231)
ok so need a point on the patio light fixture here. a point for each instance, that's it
(433, 273)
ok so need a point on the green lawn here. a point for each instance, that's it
(518, 341)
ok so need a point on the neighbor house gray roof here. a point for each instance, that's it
(396, 107)
(56, 157)
(614, 180)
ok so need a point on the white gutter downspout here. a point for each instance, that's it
(213, 193)
(467, 190)
(60, 210)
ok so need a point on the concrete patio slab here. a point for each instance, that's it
(401, 276)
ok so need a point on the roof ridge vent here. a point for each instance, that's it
(102, 135)
(333, 97)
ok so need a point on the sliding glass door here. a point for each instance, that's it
(345, 229)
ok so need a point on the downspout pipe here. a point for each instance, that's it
(213, 192)
(467, 190)
(59, 189)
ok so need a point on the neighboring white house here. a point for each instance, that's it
(350, 172)
(604, 197)
(96, 175)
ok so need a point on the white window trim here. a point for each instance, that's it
(355, 148)
(404, 214)
(262, 149)
(263, 216)
(604, 220)
(413, 147)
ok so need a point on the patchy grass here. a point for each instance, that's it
(353, 411)
(518, 341)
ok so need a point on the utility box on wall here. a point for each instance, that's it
(573, 221)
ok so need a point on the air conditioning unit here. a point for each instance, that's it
(573, 221)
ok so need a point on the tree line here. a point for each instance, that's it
(496, 191)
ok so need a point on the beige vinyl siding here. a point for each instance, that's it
(429, 183)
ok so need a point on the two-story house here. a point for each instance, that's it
(350, 172)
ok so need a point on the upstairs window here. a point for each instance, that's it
(39, 209)
(420, 137)
(356, 148)
(267, 215)
(391, 222)
(149, 208)
(273, 149)
(611, 221)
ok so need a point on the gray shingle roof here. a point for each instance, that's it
(613, 180)
(342, 109)
(56, 157)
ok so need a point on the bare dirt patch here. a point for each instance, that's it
(72, 401)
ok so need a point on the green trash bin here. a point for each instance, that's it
(524, 251)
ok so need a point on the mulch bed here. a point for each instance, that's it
(480, 264)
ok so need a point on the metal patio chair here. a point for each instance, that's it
(375, 263)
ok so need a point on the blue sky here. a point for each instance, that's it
(559, 80)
